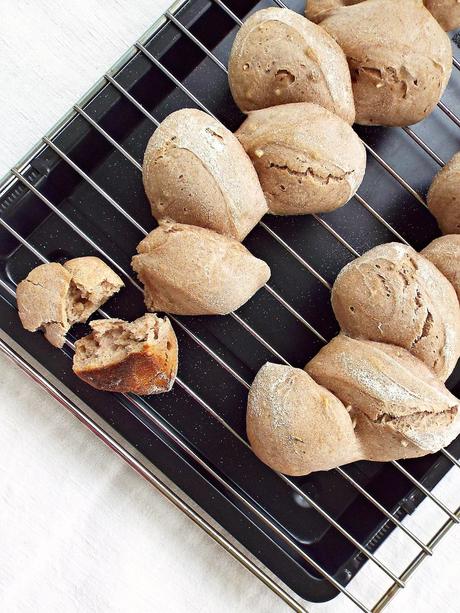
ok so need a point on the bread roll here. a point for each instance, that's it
(279, 56)
(193, 271)
(444, 253)
(138, 357)
(394, 295)
(308, 159)
(444, 197)
(317, 10)
(399, 57)
(54, 297)
(400, 409)
(446, 13)
(296, 426)
(196, 172)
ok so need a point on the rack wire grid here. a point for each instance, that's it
(25, 177)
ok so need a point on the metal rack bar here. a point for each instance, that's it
(446, 110)
(434, 156)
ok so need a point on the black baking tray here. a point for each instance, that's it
(117, 237)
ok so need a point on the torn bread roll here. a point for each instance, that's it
(196, 172)
(399, 407)
(399, 57)
(296, 426)
(446, 13)
(444, 197)
(54, 297)
(308, 160)
(187, 270)
(394, 295)
(120, 356)
(278, 57)
(444, 253)
(317, 10)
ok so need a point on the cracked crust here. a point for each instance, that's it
(399, 407)
(308, 159)
(399, 57)
(296, 426)
(279, 57)
(196, 172)
(444, 253)
(444, 197)
(187, 270)
(394, 295)
(54, 297)
(118, 356)
(446, 12)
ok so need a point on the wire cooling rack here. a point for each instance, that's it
(23, 179)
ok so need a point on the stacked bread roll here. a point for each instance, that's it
(376, 391)
(206, 196)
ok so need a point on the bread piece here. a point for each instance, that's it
(446, 13)
(188, 270)
(401, 410)
(444, 197)
(279, 56)
(444, 253)
(308, 159)
(42, 301)
(92, 284)
(394, 295)
(54, 297)
(296, 426)
(196, 172)
(399, 57)
(138, 357)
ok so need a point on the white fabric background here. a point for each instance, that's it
(79, 531)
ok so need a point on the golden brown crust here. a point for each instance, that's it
(444, 196)
(400, 408)
(308, 159)
(399, 57)
(296, 426)
(148, 369)
(394, 295)
(196, 172)
(187, 270)
(278, 57)
(444, 253)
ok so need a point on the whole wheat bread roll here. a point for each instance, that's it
(308, 159)
(446, 12)
(444, 197)
(196, 172)
(394, 295)
(189, 270)
(400, 59)
(399, 407)
(119, 356)
(444, 253)
(54, 297)
(279, 57)
(296, 426)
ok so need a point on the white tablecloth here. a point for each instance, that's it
(79, 531)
